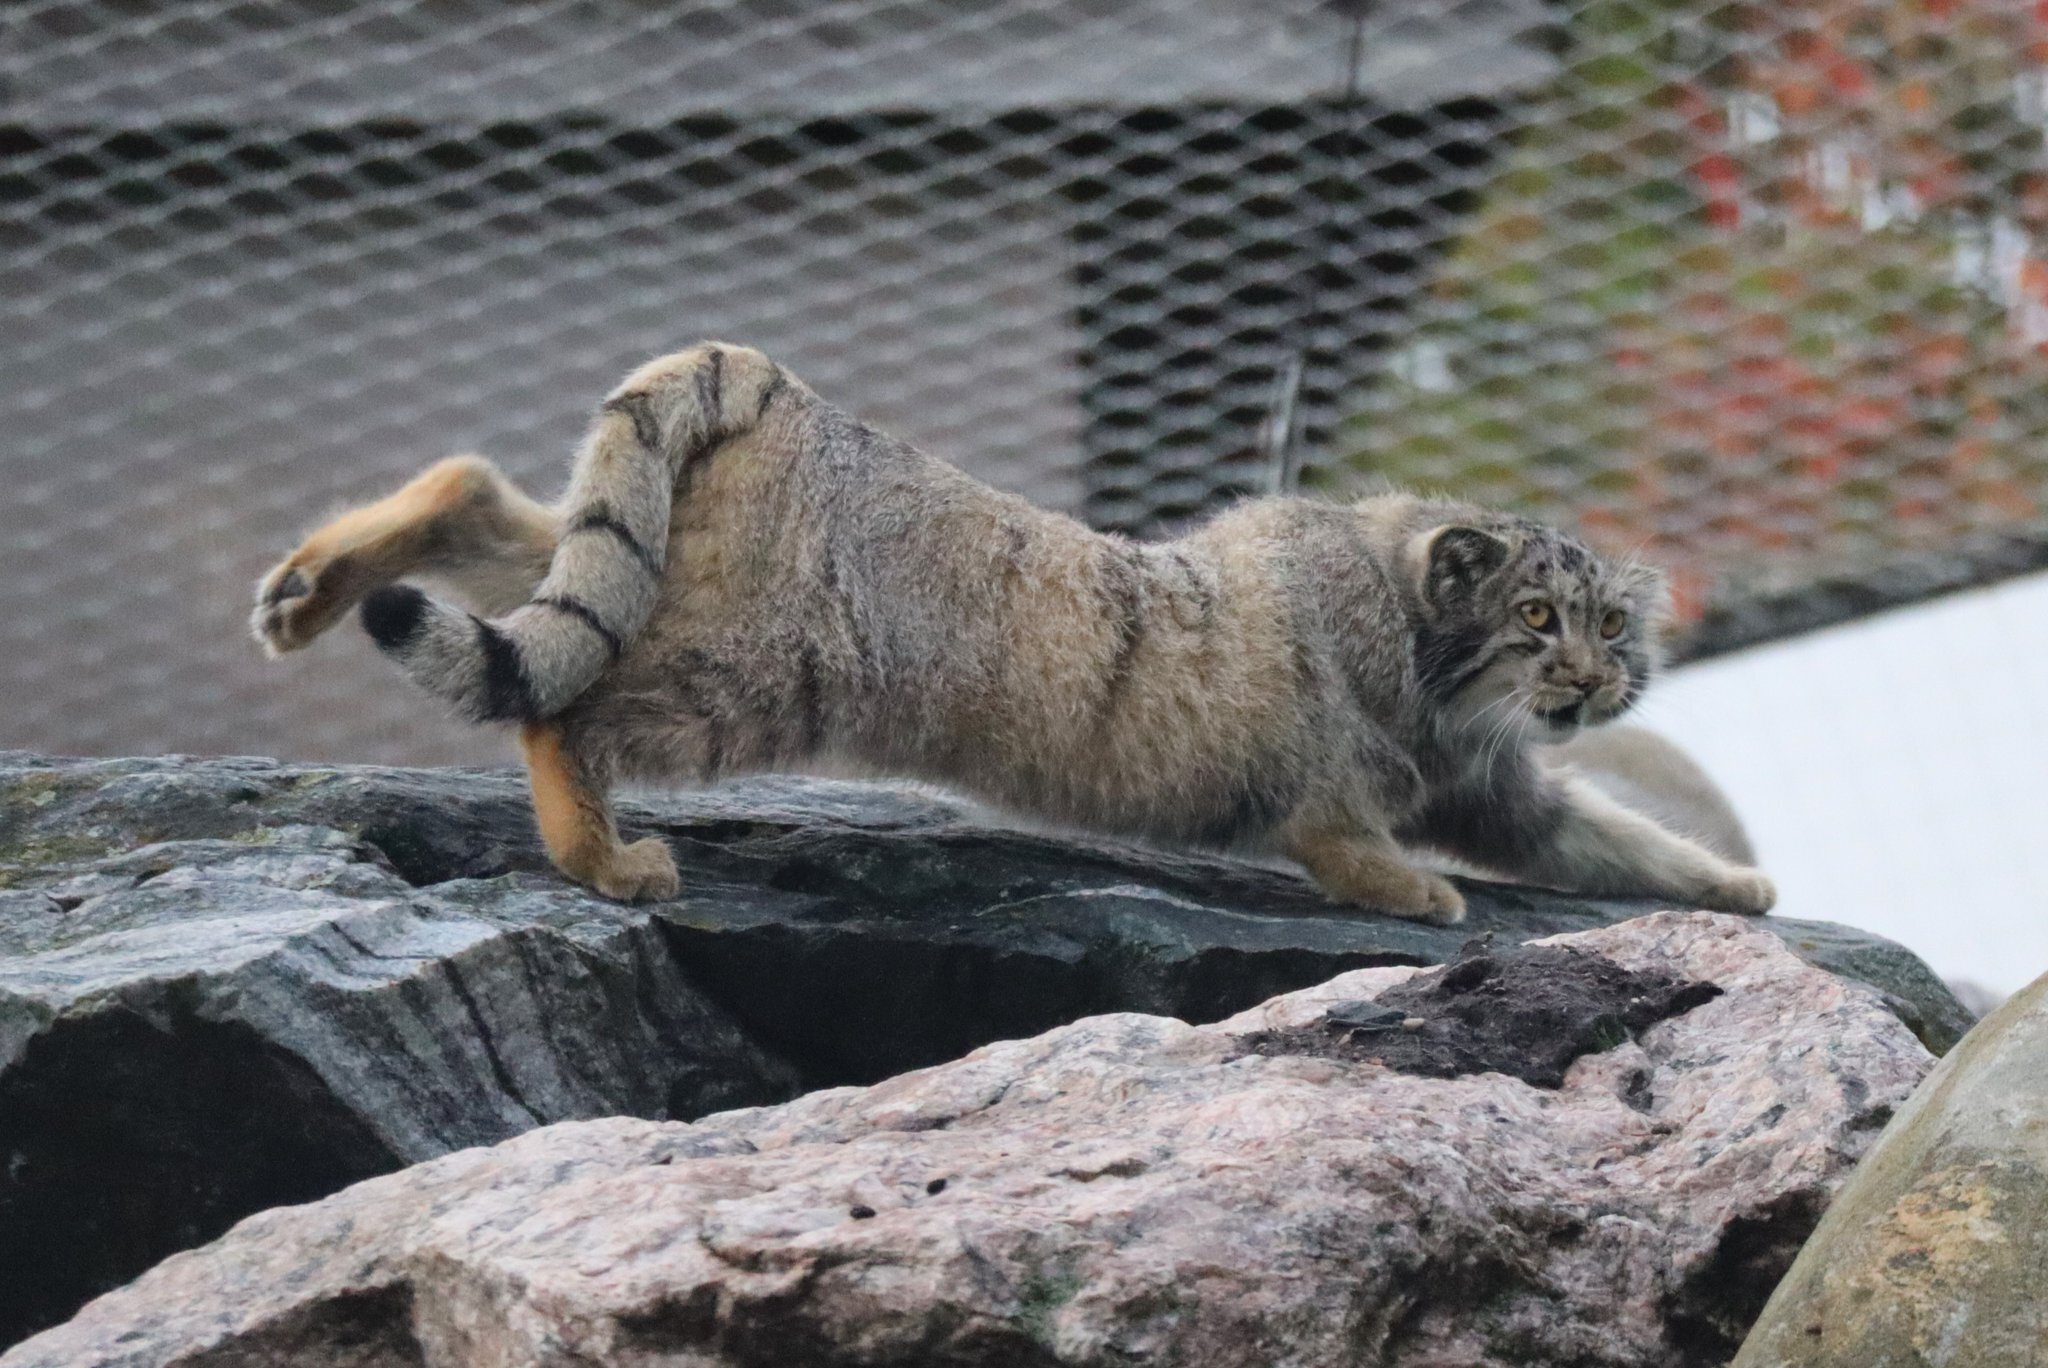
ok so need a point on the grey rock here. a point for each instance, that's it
(1934, 1253)
(227, 984)
(1913, 990)
(1123, 1189)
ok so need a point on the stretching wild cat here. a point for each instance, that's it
(742, 577)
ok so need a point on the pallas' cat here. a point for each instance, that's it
(742, 577)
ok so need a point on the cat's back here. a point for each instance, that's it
(815, 502)
(1328, 572)
(895, 578)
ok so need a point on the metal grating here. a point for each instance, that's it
(1758, 286)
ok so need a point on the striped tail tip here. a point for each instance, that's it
(452, 654)
(393, 615)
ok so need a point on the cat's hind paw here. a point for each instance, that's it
(299, 599)
(644, 871)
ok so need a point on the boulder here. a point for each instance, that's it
(1127, 1188)
(230, 984)
(1936, 1251)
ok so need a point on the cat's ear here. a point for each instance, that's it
(1648, 590)
(1452, 560)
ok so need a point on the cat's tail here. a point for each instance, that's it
(669, 417)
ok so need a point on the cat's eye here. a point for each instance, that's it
(1539, 614)
(1611, 626)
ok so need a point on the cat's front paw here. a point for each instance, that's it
(1374, 874)
(1438, 903)
(300, 598)
(1747, 891)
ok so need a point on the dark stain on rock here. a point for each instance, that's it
(1526, 1011)
(1709, 1313)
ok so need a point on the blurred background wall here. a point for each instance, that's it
(1756, 290)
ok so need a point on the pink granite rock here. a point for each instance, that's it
(1127, 1189)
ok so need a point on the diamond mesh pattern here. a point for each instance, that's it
(1756, 287)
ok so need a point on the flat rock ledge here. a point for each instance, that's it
(1124, 1189)
(231, 984)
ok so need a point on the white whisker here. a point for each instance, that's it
(1504, 730)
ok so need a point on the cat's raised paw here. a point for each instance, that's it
(298, 600)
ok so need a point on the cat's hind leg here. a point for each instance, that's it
(575, 815)
(460, 521)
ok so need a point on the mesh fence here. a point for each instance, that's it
(1759, 287)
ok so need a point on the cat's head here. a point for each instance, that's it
(1526, 629)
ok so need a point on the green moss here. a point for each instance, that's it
(24, 795)
(1045, 1292)
(25, 798)
(30, 787)
(1609, 1033)
(53, 848)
